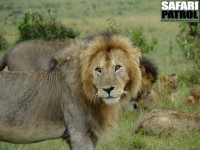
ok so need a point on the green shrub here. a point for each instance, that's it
(3, 42)
(188, 41)
(35, 26)
(135, 34)
(189, 77)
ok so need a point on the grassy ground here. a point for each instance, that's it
(90, 16)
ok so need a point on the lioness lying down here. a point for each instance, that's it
(166, 121)
(148, 102)
(78, 99)
(30, 55)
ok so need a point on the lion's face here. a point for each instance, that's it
(110, 75)
(172, 83)
(169, 83)
(110, 70)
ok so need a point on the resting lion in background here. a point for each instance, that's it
(161, 121)
(148, 102)
(193, 98)
(77, 99)
(30, 55)
(149, 76)
(146, 97)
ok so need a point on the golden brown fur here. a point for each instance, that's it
(104, 51)
(146, 97)
(149, 101)
(168, 83)
(30, 55)
(149, 76)
(79, 97)
(168, 86)
(161, 121)
(193, 97)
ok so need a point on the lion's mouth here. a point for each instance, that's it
(111, 100)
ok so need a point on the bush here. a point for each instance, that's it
(189, 77)
(188, 40)
(3, 42)
(135, 34)
(35, 26)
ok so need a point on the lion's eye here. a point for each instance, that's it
(98, 69)
(117, 67)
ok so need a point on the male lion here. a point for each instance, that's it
(79, 98)
(193, 97)
(30, 55)
(146, 97)
(161, 121)
(149, 76)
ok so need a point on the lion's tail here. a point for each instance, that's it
(3, 62)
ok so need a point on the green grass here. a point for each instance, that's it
(90, 16)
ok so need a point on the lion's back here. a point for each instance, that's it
(32, 55)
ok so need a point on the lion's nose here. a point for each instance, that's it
(108, 90)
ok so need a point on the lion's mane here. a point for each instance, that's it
(103, 118)
(150, 67)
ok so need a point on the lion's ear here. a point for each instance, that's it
(52, 65)
(163, 77)
(173, 75)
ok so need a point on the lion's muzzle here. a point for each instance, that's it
(110, 95)
(108, 90)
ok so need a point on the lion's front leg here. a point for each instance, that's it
(76, 122)
(77, 140)
(94, 139)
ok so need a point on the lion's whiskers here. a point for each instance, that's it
(97, 97)
(125, 93)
